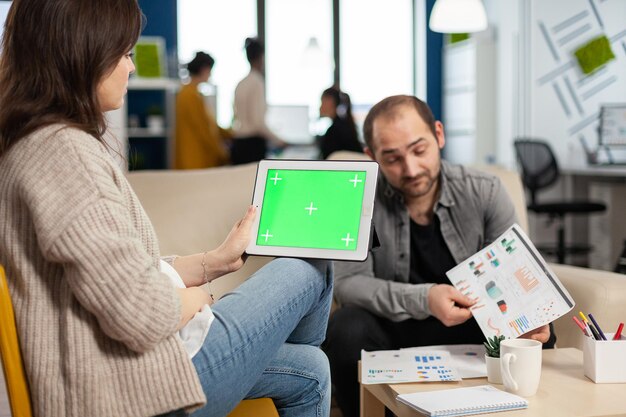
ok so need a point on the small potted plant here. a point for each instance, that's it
(492, 358)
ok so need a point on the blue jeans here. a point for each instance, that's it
(264, 341)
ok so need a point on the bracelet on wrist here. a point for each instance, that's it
(206, 276)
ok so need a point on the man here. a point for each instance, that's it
(429, 215)
(251, 133)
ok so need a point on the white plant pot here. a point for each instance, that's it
(155, 124)
(494, 375)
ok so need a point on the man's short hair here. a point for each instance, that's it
(254, 49)
(388, 108)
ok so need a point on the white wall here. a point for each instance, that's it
(504, 18)
(541, 91)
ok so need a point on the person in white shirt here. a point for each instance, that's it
(251, 133)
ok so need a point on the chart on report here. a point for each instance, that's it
(406, 365)
(514, 289)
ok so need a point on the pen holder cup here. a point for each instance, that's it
(605, 360)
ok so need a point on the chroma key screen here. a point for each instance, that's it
(312, 209)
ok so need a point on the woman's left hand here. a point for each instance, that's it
(230, 252)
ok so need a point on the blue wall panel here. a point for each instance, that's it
(434, 53)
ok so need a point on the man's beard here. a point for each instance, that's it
(424, 188)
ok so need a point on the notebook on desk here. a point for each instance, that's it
(463, 401)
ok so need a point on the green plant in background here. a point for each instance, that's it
(136, 160)
(594, 54)
(154, 110)
(458, 37)
(492, 345)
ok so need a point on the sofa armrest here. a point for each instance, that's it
(601, 293)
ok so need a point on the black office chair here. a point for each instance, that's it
(540, 170)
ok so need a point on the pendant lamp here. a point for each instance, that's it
(458, 16)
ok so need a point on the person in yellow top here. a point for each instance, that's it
(200, 142)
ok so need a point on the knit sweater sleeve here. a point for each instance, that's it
(112, 276)
(86, 222)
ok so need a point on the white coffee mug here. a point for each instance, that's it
(520, 364)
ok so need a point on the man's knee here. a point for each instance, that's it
(351, 329)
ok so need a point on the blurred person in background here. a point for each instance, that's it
(252, 135)
(200, 142)
(342, 134)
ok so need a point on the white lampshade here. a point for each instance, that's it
(458, 16)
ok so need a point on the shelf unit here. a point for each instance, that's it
(142, 93)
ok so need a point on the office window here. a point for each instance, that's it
(219, 28)
(376, 50)
(4, 11)
(298, 60)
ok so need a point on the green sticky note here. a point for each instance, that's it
(147, 60)
(594, 54)
(312, 209)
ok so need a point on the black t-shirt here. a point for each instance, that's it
(430, 256)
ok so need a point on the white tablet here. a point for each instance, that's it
(313, 209)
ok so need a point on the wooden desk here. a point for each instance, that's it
(563, 391)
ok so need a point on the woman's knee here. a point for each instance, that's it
(306, 266)
(305, 270)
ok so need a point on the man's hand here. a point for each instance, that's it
(449, 305)
(541, 334)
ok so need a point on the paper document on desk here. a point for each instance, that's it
(396, 366)
(516, 291)
(469, 360)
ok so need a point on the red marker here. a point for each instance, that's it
(581, 325)
(618, 333)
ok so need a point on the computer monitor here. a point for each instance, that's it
(613, 125)
(290, 123)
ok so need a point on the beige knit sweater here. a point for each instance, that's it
(96, 319)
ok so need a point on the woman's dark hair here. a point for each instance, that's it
(199, 62)
(388, 107)
(254, 49)
(55, 53)
(343, 106)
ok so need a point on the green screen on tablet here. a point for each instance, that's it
(312, 209)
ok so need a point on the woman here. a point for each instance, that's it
(341, 135)
(97, 318)
(200, 142)
(251, 133)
